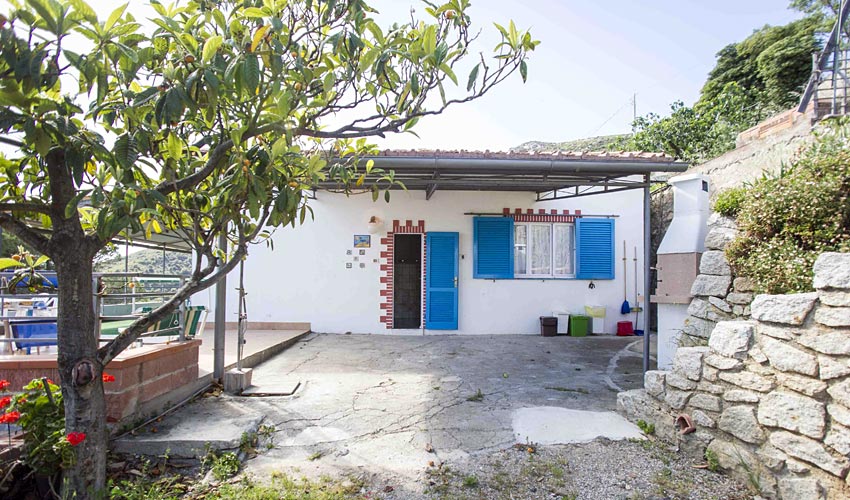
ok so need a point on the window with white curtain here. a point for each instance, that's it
(544, 250)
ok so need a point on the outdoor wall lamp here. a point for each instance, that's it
(375, 225)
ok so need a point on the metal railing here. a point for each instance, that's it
(126, 297)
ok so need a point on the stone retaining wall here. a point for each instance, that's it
(770, 396)
(719, 295)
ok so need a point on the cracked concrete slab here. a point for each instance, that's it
(376, 404)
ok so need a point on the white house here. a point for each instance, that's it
(479, 243)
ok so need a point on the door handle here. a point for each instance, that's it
(455, 281)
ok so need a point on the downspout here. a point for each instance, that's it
(647, 250)
(220, 316)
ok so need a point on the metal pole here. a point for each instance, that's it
(220, 315)
(647, 256)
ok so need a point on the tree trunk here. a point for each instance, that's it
(80, 371)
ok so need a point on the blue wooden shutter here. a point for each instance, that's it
(595, 249)
(493, 247)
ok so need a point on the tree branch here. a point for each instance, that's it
(27, 234)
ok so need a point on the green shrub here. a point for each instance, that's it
(729, 202)
(787, 221)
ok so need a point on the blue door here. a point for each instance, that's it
(441, 281)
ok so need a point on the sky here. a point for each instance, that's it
(594, 56)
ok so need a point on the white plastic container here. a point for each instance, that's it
(563, 321)
(597, 313)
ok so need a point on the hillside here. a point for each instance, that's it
(598, 143)
(148, 261)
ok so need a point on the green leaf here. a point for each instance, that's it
(6, 263)
(114, 17)
(523, 70)
(210, 47)
(254, 13)
(46, 12)
(125, 151)
(448, 71)
(84, 9)
(258, 37)
(71, 207)
(473, 75)
(251, 73)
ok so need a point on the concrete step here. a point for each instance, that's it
(193, 430)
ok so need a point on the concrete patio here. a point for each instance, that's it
(377, 404)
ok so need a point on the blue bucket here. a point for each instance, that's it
(639, 333)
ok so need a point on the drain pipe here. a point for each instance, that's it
(647, 257)
(220, 316)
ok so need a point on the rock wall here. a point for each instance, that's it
(719, 295)
(768, 397)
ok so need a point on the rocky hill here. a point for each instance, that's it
(148, 261)
(598, 143)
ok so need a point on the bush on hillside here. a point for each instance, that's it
(729, 201)
(787, 221)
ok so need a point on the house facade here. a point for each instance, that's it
(444, 260)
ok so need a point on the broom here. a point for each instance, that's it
(625, 308)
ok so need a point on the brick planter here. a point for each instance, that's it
(145, 376)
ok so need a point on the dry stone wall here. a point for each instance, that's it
(719, 295)
(769, 397)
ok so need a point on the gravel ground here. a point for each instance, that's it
(599, 470)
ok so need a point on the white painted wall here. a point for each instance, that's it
(305, 279)
(671, 320)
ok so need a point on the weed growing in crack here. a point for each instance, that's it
(477, 397)
(470, 482)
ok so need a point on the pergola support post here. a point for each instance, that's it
(220, 317)
(647, 258)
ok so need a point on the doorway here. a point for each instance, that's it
(407, 281)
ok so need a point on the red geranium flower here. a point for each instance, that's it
(4, 384)
(10, 417)
(76, 438)
(108, 378)
(4, 402)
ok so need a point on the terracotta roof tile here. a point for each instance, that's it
(507, 155)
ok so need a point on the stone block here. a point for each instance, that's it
(744, 284)
(703, 419)
(722, 362)
(719, 237)
(809, 451)
(236, 381)
(777, 332)
(710, 388)
(676, 399)
(827, 341)
(653, 382)
(719, 220)
(794, 413)
(785, 309)
(741, 396)
(706, 402)
(706, 285)
(737, 310)
(703, 309)
(720, 304)
(839, 413)
(832, 270)
(841, 393)
(677, 381)
(688, 361)
(732, 338)
(838, 438)
(740, 421)
(837, 298)
(714, 262)
(809, 386)
(831, 367)
(732, 456)
(740, 298)
(800, 488)
(833, 316)
(748, 380)
(710, 373)
(786, 358)
(771, 457)
(697, 327)
(757, 355)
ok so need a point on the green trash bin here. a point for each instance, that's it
(579, 325)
